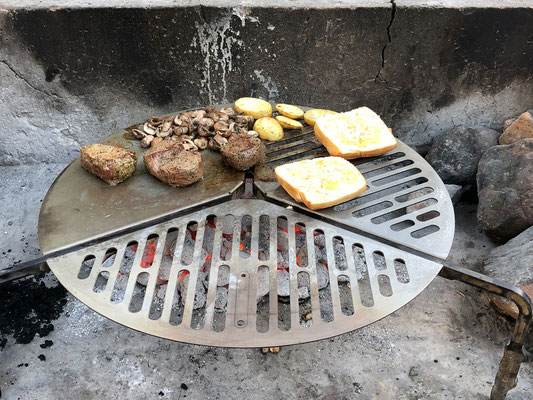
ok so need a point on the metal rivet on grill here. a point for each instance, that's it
(384, 285)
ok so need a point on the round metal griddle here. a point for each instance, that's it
(405, 217)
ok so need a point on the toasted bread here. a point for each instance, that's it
(322, 182)
(353, 134)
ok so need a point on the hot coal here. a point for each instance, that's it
(28, 307)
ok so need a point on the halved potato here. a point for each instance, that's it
(288, 123)
(290, 111)
(311, 116)
(257, 108)
(268, 129)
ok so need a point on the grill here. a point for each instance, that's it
(273, 273)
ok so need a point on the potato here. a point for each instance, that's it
(257, 108)
(268, 128)
(290, 111)
(312, 115)
(288, 123)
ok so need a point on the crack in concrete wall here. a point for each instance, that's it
(389, 37)
(19, 76)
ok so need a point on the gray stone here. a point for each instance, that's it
(505, 190)
(455, 154)
(512, 262)
(455, 192)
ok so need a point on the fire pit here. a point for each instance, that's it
(233, 261)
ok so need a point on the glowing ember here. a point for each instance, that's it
(241, 246)
(182, 275)
(149, 254)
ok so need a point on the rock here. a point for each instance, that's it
(505, 190)
(521, 128)
(508, 122)
(455, 154)
(512, 263)
(455, 192)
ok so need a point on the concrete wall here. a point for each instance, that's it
(70, 76)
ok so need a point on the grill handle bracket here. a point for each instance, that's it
(513, 355)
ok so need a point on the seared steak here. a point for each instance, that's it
(171, 163)
(110, 163)
(242, 151)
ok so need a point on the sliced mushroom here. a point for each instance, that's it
(205, 122)
(252, 133)
(201, 143)
(147, 141)
(149, 129)
(138, 134)
(228, 111)
(225, 134)
(212, 115)
(233, 127)
(164, 130)
(181, 130)
(221, 126)
(156, 121)
(199, 113)
(216, 142)
(244, 120)
(189, 145)
(203, 131)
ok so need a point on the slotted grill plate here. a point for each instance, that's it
(406, 202)
(139, 280)
(388, 288)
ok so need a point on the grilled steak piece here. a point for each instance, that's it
(171, 163)
(242, 151)
(109, 163)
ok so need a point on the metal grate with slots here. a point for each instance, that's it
(208, 265)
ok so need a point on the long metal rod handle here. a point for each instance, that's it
(513, 355)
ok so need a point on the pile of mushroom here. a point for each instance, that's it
(207, 127)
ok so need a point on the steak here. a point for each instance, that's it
(109, 163)
(171, 163)
(242, 151)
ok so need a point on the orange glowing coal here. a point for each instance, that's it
(149, 254)
(182, 275)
